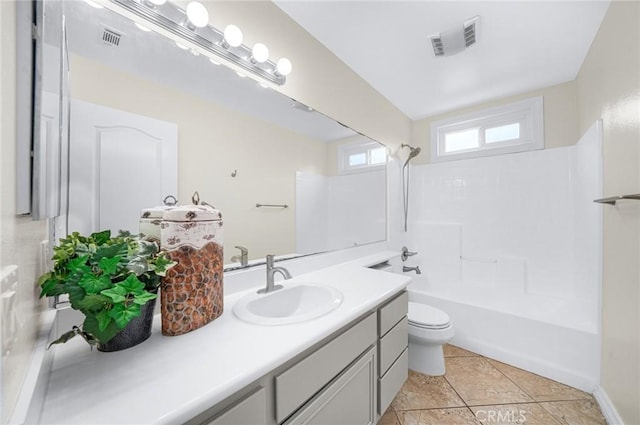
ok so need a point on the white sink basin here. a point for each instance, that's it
(292, 304)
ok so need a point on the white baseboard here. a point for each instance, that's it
(606, 406)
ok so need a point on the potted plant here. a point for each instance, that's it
(113, 281)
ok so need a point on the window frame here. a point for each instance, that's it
(529, 113)
(348, 149)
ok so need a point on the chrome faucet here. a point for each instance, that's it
(243, 258)
(271, 271)
(411, 269)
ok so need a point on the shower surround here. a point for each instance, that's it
(510, 247)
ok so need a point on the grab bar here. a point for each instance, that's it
(272, 205)
(612, 199)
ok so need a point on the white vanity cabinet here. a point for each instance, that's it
(349, 399)
(303, 380)
(393, 352)
(250, 409)
(349, 378)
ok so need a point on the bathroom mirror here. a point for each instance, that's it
(288, 180)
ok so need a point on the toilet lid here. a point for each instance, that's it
(425, 316)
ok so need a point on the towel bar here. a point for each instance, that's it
(272, 205)
(612, 199)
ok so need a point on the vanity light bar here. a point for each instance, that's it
(208, 38)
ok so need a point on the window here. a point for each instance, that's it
(362, 155)
(515, 127)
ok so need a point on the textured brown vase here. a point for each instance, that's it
(192, 292)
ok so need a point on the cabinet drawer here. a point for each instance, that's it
(392, 345)
(251, 410)
(299, 383)
(392, 381)
(391, 313)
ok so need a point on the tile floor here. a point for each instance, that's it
(480, 391)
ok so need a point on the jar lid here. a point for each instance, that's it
(192, 213)
(153, 212)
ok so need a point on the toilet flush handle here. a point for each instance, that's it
(405, 253)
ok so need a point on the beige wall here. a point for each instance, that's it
(560, 118)
(609, 87)
(213, 141)
(20, 236)
(319, 78)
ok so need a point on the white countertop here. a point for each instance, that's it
(171, 379)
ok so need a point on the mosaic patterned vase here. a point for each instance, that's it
(192, 291)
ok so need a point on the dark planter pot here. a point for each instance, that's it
(138, 330)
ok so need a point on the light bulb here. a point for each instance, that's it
(260, 53)
(240, 74)
(213, 61)
(182, 46)
(233, 36)
(157, 2)
(197, 14)
(284, 66)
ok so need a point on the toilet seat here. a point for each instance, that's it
(426, 317)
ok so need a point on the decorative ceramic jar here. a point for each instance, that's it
(192, 291)
(150, 219)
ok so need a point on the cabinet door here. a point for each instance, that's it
(251, 410)
(298, 384)
(349, 400)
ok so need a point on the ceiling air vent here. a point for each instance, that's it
(470, 28)
(111, 37)
(454, 41)
(438, 47)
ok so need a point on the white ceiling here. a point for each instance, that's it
(523, 45)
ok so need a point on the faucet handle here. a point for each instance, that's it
(269, 259)
(405, 253)
(242, 249)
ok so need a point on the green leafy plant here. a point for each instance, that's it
(107, 278)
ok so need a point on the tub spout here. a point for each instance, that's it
(411, 269)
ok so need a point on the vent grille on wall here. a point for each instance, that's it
(111, 37)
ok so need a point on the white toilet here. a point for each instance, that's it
(429, 329)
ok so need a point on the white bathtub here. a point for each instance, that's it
(552, 337)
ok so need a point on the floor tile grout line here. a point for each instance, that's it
(502, 373)
(474, 415)
(551, 413)
(454, 390)
(473, 405)
(395, 412)
(506, 376)
(539, 376)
